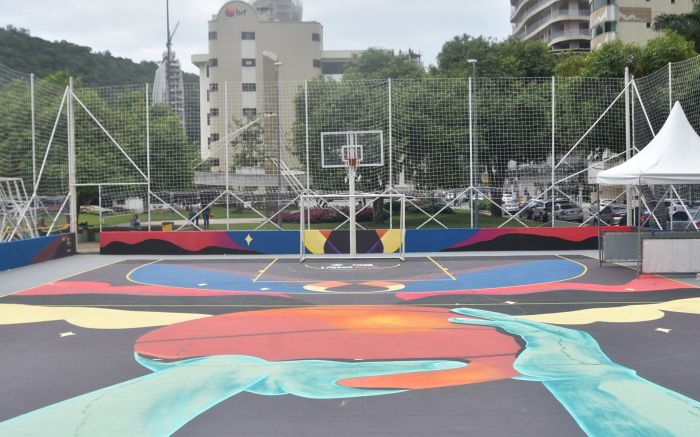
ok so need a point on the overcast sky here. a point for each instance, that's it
(136, 28)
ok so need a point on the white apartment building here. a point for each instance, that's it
(630, 20)
(249, 45)
(562, 24)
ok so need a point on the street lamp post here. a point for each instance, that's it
(475, 148)
(279, 144)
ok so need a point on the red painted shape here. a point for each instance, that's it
(188, 240)
(87, 287)
(482, 369)
(573, 234)
(346, 333)
(645, 283)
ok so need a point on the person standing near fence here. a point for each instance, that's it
(206, 213)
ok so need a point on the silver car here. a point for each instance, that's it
(569, 212)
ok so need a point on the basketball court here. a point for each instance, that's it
(273, 346)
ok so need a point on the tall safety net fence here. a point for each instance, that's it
(484, 152)
(34, 160)
(667, 206)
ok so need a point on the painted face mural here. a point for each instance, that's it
(344, 352)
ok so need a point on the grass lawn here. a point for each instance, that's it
(458, 219)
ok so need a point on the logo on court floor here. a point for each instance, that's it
(348, 267)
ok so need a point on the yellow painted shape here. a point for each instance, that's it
(91, 318)
(625, 314)
(392, 241)
(314, 242)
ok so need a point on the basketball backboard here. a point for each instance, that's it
(332, 144)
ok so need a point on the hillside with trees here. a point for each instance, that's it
(28, 54)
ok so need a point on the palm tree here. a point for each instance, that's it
(687, 25)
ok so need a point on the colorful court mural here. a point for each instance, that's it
(208, 334)
(36, 250)
(337, 241)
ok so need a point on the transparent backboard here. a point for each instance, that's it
(332, 144)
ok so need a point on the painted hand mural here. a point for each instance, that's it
(344, 352)
(603, 397)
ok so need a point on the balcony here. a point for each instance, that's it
(563, 35)
(530, 9)
(539, 24)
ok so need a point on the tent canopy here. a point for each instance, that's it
(672, 157)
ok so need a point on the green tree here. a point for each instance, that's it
(248, 146)
(96, 68)
(687, 25)
(658, 52)
(378, 63)
(571, 65)
(509, 58)
(611, 58)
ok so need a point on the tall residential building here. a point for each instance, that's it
(249, 43)
(630, 20)
(168, 87)
(562, 24)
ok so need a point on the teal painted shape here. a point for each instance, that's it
(603, 397)
(161, 403)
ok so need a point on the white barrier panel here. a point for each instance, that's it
(671, 255)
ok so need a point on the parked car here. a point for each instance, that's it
(528, 209)
(507, 198)
(569, 212)
(511, 207)
(682, 222)
(611, 214)
(543, 211)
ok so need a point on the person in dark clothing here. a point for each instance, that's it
(206, 213)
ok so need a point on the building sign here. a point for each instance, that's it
(232, 11)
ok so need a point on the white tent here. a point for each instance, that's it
(672, 157)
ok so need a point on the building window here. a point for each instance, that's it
(599, 4)
(250, 112)
(214, 112)
(214, 87)
(249, 87)
(248, 62)
(317, 63)
(248, 36)
(207, 70)
(316, 37)
(333, 67)
(214, 138)
(214, 62)
(608, 26)
(214, 162)
(208, 119)
(213, 35)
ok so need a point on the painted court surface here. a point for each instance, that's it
(546, 345)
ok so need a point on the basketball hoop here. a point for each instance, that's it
(352, 155)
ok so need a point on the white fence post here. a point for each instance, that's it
(226, 153)
(71, 161)
(554, 121)
(148, 158)
(628, 135)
